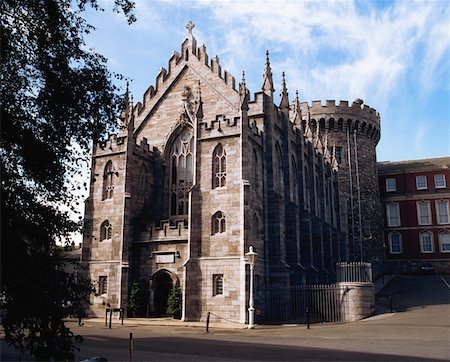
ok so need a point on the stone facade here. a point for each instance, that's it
(201, 172)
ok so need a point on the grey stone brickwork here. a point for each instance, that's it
(280, 191)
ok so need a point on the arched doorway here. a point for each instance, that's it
(162, 285)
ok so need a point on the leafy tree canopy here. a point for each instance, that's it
(55, 93)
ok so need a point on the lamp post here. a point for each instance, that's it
(251, 256)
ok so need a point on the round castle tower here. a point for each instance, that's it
(354, 131)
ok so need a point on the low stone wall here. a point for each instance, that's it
(357, 301)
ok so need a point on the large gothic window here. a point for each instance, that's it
(181, 173)
(108, 181)
(219, 167)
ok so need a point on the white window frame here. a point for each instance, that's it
(421, 177)
(441, 241)
(396, 233)
(443, 185)
(391, 186)
(438, 217)
(388, 214)
(419, 215)
(431, 242)
(218, 285)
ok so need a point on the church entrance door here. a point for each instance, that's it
(163, 285)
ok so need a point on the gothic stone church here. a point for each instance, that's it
(199, 173)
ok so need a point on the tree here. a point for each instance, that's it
(54, 94)
(136, 300)
(174, 302)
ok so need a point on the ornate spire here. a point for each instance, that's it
(243, 93)
(284, 103)
(297, 110)
(199, 103)
(267, 77)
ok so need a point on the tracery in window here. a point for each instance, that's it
(108, 180)
(219, 167)
(105, 231)
(181, 163)
(218, 223)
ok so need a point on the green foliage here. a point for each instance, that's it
(174, 302)
(136, 300)
(54, 94)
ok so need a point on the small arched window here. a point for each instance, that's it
(218, 223)
(426, 242)
(105, 231)
(444, 241)
(395, 243)
(217, 284)
(219, 167)
(108, 180)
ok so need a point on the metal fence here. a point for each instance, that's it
(354, 272)
(302, 304)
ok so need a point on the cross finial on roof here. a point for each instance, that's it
(190, 25)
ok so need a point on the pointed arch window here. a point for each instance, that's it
(278, 169)
(219, 167)
(218, 223)
(256, 227)
(294, 189)
(108, 180)
(181, 166)
(307, 190)
(105, 231)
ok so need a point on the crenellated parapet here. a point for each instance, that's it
(165, 230)
(113, 144)
(340, 117)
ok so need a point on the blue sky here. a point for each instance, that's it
(392, 54)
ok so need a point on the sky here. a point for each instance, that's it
(392, 54)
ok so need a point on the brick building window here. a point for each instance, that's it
(426, 242)
(444, 241)
(439, 181)
(102, 284)
(105, 231)
(393, 214)
(424, 212)
(108, 180)
(442, 211)
(218, 223)
(219, 167)
(395, 243)
(217, 284)
(421, 182)
(391, 184)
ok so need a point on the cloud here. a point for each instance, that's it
(349, 49)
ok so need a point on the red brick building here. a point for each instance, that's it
(416, 197)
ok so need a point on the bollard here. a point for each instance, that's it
(207, 322)
(307, 317)
(122, 312)
(110, 318)
(106, 317)
(131, 347)
(390, 303)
